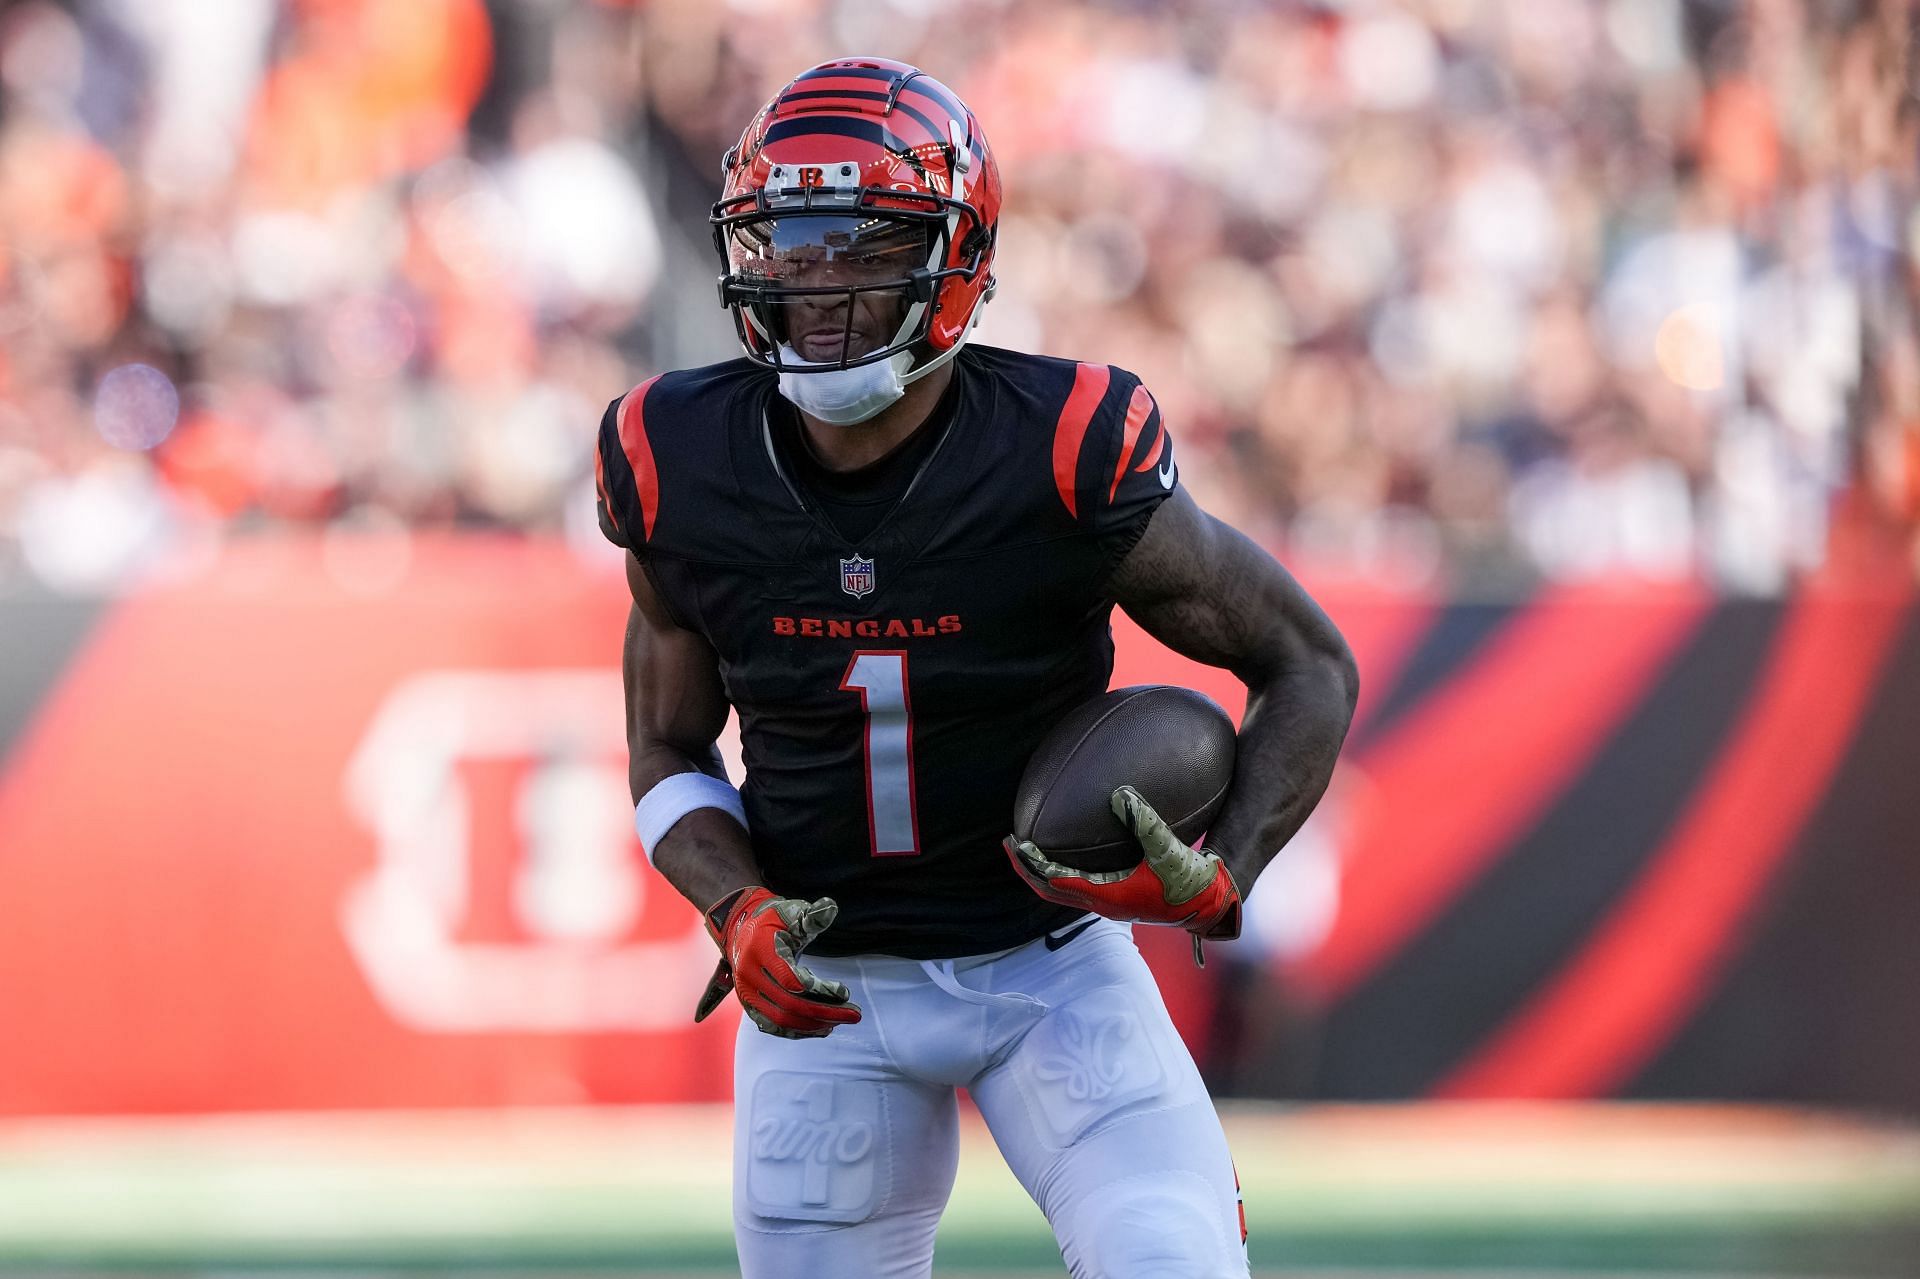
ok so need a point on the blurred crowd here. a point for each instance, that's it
(1458, 293)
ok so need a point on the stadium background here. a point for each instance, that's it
(1566, 348)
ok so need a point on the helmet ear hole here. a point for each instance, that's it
(976, 241)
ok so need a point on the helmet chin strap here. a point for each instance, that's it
(958, 342)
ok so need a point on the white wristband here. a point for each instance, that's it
(672, 798)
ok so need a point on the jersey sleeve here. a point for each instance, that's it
(626, 486)
(603, 501)
(1113, 457)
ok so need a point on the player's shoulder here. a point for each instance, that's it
(1092, 427)
(668, 402)
(723, 378)
(685, 417)
(1048, 379)
(1075, 394)
(672, 432)
(1021, 367)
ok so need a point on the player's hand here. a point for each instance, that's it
(1173, 884)
(760, 938)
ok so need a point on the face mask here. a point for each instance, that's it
(844, 396)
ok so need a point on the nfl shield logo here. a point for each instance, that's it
(856, 576)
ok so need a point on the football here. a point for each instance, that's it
(1173, 745)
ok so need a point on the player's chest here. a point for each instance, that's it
(986, 624)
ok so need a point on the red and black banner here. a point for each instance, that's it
(1643, 844)
(317, 827)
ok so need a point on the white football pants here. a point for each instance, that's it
(845, 1147)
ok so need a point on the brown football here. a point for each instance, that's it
(1173, 745)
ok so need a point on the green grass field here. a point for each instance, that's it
(1375, 1191)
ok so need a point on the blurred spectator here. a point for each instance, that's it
(1452, 292)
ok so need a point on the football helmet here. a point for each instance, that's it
(857, 222)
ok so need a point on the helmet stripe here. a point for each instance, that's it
(830, 100)
(806, 126)
(922, 84)
(930, 89)
(865, 95)
(850, 73)
(850, 102)
(918, 82)
(848, 106)
(914, 114)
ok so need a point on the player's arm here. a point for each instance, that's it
(676, 707)
(1205, 591)
(1208, 592)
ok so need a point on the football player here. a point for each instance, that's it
(895, 554)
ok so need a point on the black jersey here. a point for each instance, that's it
(854, 502)
(890, 692)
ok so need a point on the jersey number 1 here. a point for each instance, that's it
(880, 677)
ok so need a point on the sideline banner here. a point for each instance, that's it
(331, 827)
(274, 839)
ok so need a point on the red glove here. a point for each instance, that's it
(1173, 884)
(760, 936)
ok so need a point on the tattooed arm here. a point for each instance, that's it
(1207, 592)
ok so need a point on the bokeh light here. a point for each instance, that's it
(135, 407)
(1687, 347)
(379, 226)
(370, 337)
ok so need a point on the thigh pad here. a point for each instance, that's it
(1095, 1060)
(816, 1147)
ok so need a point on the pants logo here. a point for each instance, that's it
(812, 1147)
(820, 1143)
(1091, 1060)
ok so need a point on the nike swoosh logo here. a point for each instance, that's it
(1056, 940)
(1166, 475)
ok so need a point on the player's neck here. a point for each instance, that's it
(847, 448)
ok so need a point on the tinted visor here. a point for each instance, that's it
(838, 289)
(832, 251)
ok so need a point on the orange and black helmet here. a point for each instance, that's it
(861, 176)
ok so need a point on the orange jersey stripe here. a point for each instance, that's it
(1089, 385)
(1152, 459)
(1138, 410)
(633, 442)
